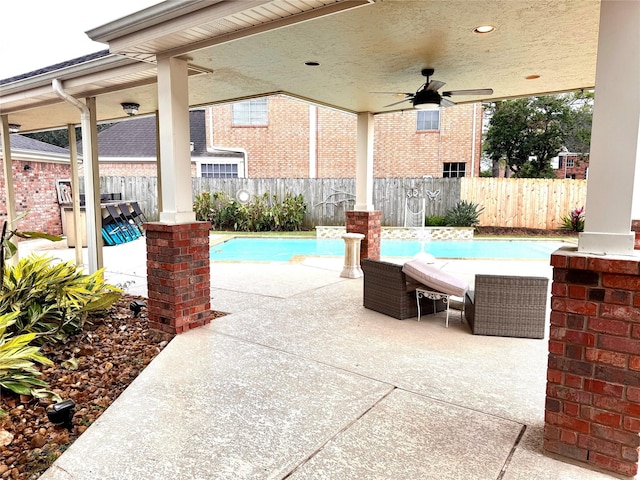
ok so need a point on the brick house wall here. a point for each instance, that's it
(132, 169)
(579, 169)
(35, 192)
(281, 149)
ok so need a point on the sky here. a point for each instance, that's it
(39, 33)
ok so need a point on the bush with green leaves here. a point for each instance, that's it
(52, 300)
(464, 214)
(575, 220)
(263, 213)
(434, 221)
(17, 361)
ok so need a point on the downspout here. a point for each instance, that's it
(473, 141)
(94, 249)
(313, 141)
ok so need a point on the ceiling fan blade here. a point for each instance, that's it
(446, 103)
(435, 85)
(395, 93)
(398, 103)
(475, 91)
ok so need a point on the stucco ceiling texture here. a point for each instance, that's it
(252, 48)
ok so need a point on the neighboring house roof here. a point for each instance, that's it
(20, 142)
(136, 138)
(57, 66)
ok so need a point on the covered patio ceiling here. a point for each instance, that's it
(259, 47)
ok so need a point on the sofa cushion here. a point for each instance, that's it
(435, 278)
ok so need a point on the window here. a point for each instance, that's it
(252, 113)
(219, 170)
(453, 170)
(428, 120)
(570, 163)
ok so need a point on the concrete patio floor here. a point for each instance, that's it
(300, 381)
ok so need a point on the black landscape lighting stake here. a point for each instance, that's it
(136, 306)
(61, 413)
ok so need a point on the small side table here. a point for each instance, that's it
(435, 296)
(352, 267)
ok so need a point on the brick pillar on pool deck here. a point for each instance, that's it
(592, 410)
(635, 228)
(178, 275)
(368, 224)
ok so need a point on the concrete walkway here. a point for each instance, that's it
(299, 381)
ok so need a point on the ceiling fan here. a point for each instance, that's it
(427, 96)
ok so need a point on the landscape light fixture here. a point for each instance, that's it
(61, 413)
(14, 128)
(136, 306)
(130, 108)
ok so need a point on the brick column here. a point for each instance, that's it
(635, 228)
(592, 411)
(178, 275)
(368, 224)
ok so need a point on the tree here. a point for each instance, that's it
(60, 137)
(526, 133)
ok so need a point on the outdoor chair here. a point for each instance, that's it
(508, 306)
(130, 232)
(388, 290)
(137, 213)
(128, 214)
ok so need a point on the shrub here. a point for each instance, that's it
(263, 213)
(435, 221)
(52, 300)
(464, 214)
(575, 220)
(17, 361)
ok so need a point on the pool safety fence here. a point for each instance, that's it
(407, 233)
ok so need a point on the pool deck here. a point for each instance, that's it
(300, 381)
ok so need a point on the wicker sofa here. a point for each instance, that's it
(388, 290)
(508, 306)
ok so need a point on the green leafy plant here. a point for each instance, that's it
(574, 221)
(434, 221)
(52, 300)
(17, 361)
(8, 249)
(464, 214)
(263, 213)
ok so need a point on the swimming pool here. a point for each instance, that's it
(285, 249)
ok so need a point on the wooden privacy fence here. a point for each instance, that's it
(532, 203)
(524, 202)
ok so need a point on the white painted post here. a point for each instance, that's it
(364, 163)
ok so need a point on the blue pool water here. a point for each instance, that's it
(284, 249)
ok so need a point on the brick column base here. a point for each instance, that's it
(178, 276)
(592, 410)
(368, 224)
(635, 228)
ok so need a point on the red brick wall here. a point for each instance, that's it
(336, 150)
(121, 169)
(132, 169)
(402, 151)
(281, 149)
(35, 192)
(178, 274)
(592, 411)
(578, 171)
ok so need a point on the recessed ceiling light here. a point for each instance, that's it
(531, 77)
(312, 64)
(484, 29)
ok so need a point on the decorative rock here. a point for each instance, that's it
(5, 438)
(38, 441)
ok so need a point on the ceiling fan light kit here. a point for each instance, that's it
(428, 98)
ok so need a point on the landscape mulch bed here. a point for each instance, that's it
(111, 351)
